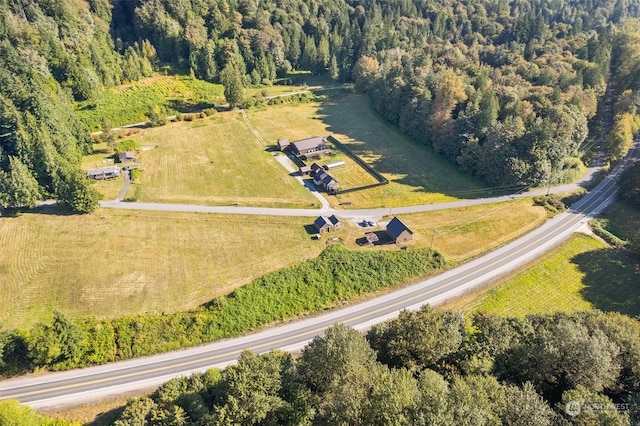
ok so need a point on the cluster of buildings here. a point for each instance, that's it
(395, 232)
(110, 172)
(313, 148)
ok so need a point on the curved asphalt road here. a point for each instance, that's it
(81, 386)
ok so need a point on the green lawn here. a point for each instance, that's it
(416, 173)
(581, 274)
(214, 161)
(128, 104)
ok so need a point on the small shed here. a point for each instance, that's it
(371, 237)
(334, 165)
(305, 170)
(398, 231)
(126, 157)
(283, 144)
(327, 224)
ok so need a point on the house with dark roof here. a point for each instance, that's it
(398, 231)
(327, 224)
(310, 148)
(324, 179)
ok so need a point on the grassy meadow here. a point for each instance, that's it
(215, 160)
(116, 262)
(128, 104)
(581, 274)
(417, 174)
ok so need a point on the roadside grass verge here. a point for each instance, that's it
(215, 161)
(417, 174)
(581, 274)
(337, 275)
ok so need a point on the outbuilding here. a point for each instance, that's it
(327, 224)
(398, 231)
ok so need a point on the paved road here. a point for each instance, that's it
(355, 213)
(81, 386)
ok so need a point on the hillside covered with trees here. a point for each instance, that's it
(504, 89)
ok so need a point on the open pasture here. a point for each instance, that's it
(114, 262)
(215, 160)
(417, 175)
(581, 274)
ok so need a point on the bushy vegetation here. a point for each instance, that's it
(337, 274)
(424, 368)
(133, 103)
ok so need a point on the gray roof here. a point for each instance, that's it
(395, 227)
(310, 143)
(103, 171)
(127, 155)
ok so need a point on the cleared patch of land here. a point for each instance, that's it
(461, 233)
(417, 174)
(114, 262)
(214, 161)
(128, 104)
(581, 274)
(103, 156)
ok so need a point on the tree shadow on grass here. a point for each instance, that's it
(429, 173)
(612, 280)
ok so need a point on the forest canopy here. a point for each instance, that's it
(504, 89)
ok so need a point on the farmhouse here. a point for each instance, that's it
(398, 231)
(324, 179)
(102, 173)
(309, 148)
(327, 224)
(126, 157)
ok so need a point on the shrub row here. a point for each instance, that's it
(337, 274)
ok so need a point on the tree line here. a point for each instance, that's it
(504, 89)
(338, 274)
(425, 367)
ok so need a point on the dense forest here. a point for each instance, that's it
(423, 368)
(504, 89)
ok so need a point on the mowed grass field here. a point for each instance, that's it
(215, 160)
(112, 262)
(117, 262)
(581, 274)
(417, 174)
